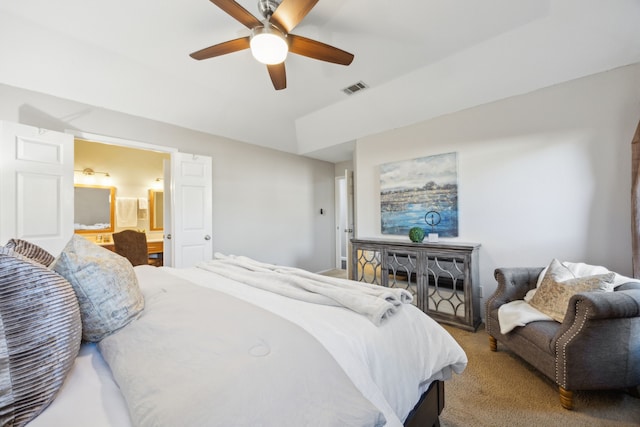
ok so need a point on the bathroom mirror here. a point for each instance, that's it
(94, 208)
(156, 210)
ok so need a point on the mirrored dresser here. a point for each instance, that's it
(443, 277)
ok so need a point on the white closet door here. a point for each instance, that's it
(36, 177)
(351, 229)
(192, 209)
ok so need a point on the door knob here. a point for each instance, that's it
(207, 237)
(168, 236)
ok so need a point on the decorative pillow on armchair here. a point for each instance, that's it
(580, 269)
(106, 286)
(559, 285)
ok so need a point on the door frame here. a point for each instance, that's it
(110, 140)
(122, 142)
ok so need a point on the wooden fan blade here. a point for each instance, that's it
(318, 50)
(290, 12)
(238, 12)
(278, 76)
(222, 48)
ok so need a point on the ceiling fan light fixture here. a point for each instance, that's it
(268, 45)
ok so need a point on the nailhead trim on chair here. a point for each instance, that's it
(489, 320)
(487, 305)
(564, 346)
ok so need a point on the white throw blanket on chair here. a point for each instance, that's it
(519, 312)
(375, 302)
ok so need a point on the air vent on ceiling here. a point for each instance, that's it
(350, 90)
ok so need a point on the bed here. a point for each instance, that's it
(197, 347)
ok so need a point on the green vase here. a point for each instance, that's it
(416, 234)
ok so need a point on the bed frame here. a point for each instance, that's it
(428, 408)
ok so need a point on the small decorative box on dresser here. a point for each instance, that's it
(443, 277)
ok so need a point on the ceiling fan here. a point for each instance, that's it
(271, 38)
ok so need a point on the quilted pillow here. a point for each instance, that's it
(31, 251)
(559, 285)
(105, 284)
(40, 335)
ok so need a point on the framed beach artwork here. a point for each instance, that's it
(412, 188)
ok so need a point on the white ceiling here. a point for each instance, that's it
(421, 59)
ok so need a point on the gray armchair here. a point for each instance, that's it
(597, 346)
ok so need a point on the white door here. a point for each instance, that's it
(192, 209)
(167, 219)
(350, 230)
(341, 222)
(36, 178)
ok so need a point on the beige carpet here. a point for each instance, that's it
(500, 389)
(342, 274)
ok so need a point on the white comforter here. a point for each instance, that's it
(391, 364)
(388, 364)
(198, 357)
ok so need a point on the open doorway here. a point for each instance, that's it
(187, 181)
(344, 219)
(137, 175)
(135, 178)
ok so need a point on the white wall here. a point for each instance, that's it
(541, 175)
(266, 203)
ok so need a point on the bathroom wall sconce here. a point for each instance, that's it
(87, 176)
(91, 172)
(158, 184)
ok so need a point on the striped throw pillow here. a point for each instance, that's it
(31, 251)
(40, 335)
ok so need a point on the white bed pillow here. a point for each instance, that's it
(105, 284)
